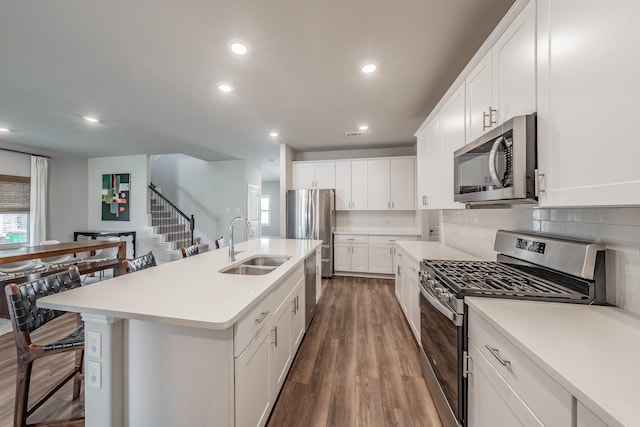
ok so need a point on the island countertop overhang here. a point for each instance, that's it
(188, 292)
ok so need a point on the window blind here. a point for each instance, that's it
(14, 193)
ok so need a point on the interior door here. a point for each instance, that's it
(253, 209)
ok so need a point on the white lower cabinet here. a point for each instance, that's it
(281, 344)
(491, 401)
(253, 390)
(408, 290)
(373, 254)
(276, 328)
(504, 382)
(586, 418)
(351, 253)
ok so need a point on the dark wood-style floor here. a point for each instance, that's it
(358, 364)
(45, 371)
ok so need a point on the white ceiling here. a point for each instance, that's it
(149, 69)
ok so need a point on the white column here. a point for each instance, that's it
(104, 371)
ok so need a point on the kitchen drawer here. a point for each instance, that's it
(351, 238)
(249, 326)
(492, 399)
(542, 394)
(281, 293)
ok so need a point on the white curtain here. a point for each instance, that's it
(38, 202)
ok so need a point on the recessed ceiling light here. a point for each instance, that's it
(369, 68)
(363, 127)
(92, 119)
(4, 130)
(238, 48)
(274, 134)
(225, 87)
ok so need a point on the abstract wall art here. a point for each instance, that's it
(116, 196)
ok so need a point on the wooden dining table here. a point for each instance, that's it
(27, 253)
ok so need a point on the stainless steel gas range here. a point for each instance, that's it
(529, 266)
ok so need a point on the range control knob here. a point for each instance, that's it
(445, 296)
(431, 284)
(429, 275)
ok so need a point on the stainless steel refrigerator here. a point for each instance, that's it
(311, 215)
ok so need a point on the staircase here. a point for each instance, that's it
(170, 228)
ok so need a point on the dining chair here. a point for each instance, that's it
(57, 261)
(141, 263)
(190, 251)
(12, 270)
(104, 254)
(27, 317)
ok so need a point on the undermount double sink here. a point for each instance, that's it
(257, 265)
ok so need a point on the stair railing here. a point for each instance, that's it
(176, 222)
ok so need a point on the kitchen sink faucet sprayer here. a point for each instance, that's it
(232, 241)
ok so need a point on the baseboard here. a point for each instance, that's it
(365, 275)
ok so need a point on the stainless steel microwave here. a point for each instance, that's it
(500, 166)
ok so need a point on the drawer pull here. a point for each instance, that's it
(262, 317)
(496, 354)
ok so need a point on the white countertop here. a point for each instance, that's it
(420, 250)
(188, 292)
(591, 351)
(373, 232)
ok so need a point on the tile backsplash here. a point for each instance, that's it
(473, 230)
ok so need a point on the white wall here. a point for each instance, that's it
(68, 191)
(214, 192)
(619, 228)
(272, 189)
(15, 163)
(137, 166)
(286, 179)
(378, 222)
(357, 153)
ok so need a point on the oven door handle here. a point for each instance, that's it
(446, 311)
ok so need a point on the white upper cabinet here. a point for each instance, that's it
(480, 110)
(437, 142)
(351, 185)
(429, 162)
(314, 175)
(503, 84)
(514, 67)
(452, 132)
(391, 184)
(588, 68)
(359, 184)
(403, 184)
(379, 190)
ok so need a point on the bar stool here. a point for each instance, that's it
(220, 242)
(141, 263)
(26, 317)
(190, 251)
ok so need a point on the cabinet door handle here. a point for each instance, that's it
(424, 200)
(539, 178)
(262, 317)
(275, 333)
(393, 205)
(297, 303)
(496, 354)
(489, 116)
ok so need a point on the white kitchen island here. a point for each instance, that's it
(164, 346)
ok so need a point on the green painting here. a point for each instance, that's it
(115, 196)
